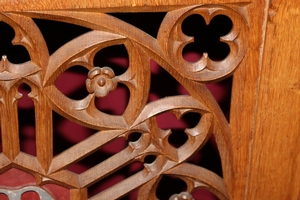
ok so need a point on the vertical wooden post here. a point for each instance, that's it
(245, 91)
(275, 164)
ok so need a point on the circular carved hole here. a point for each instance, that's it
(150, 159)
(135, 136)
(206, 37)
(168, 186)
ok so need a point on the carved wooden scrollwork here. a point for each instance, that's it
(41, 72)
(205, 69)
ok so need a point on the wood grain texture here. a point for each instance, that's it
(259, 150)
(275, 163)
(42, 70)
(266, 133)
(245, 90)
(108, 6)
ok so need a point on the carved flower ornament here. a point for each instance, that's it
(101, 81)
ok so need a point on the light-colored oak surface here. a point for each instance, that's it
(266, 134)
(245, 90)
(259, 147)
(275, 161)
(104, 5)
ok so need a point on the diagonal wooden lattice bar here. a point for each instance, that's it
(259, 148)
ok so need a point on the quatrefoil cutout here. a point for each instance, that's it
(207, 37)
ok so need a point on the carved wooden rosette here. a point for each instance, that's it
(43, 69)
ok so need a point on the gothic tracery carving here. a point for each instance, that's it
(43, 69)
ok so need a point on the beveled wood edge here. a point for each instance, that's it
(245, 91)
(109, 6)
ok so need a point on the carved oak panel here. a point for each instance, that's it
(43, 69)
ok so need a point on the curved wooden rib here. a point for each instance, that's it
(195, 176)
(139, 116)
(201, 178)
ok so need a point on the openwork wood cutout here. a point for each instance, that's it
(41, 72)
